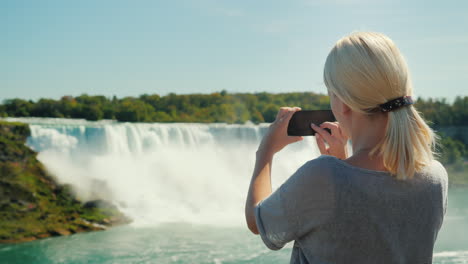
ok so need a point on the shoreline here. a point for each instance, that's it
(33, 205)
(93, 227)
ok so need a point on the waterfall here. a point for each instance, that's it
(161, 172)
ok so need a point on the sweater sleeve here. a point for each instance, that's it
(300, 204)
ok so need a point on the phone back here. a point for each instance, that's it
(299, 125)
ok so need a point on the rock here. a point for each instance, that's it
(20, 240)
(28, 207)
(20, 230)
(27, 239)
(92, 226)
(43, 235)
(60, 232)
(119, 220)
(99, 204)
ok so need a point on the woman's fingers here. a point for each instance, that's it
(322, 132)
(283, 111)
(334, 127)
(289, 113)
(285, 114)
(336, 140)
(277, 137)
(321, 144)
(295, 138)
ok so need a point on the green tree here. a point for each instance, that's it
(215, 107)
(46, 108)
(66, 106)
(17, 107)
(269, 112)
(241, 112)
(3, 112)
(92, 112)
(162, 117)
(131, 110)
(460, 110)
(452, 150)
(257, 117)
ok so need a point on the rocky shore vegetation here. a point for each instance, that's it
(32, 204)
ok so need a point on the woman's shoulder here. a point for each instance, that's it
(317, 174)
(322, 162)
(326, 166)
(436, 167)
(334, 165)
(322, 167)
(434, 172)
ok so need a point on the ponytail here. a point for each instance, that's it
(366, 70)
(408, 143)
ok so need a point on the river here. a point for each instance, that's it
(156, 174)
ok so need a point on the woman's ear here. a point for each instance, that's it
(345, 109)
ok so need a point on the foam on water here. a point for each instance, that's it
(157, 172)
(452, 257)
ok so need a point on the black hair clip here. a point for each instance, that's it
(396, 103)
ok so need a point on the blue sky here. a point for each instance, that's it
(127, 48)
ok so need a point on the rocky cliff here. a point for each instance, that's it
(32, 204)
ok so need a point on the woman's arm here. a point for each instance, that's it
(260, 185)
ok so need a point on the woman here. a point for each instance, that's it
(383, 204)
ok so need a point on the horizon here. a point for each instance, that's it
(110, 97)
(51, 48)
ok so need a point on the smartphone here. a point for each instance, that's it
(299, 125)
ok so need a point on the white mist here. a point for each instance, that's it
(196, 173)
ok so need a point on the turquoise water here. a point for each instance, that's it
(124, 157)
(186, 243)
(176, 243)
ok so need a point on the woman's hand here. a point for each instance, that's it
(275, 139)
(336, 141)
(277, 136)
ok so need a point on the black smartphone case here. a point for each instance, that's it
(299, 125)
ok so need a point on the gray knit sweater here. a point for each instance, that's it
(338, 213)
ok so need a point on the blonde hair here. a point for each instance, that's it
(366, 69)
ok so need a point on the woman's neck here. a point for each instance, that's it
(366, 133)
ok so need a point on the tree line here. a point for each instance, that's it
(206, 108)
(203, 108)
